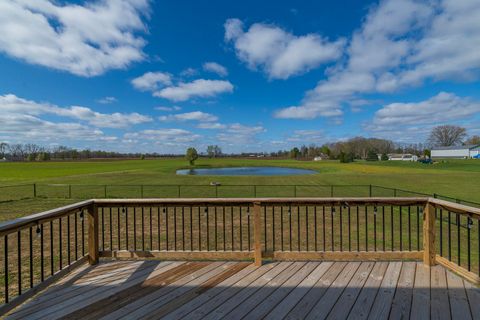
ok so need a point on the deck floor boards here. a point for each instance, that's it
(236, 290)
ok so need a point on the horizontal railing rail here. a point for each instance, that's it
(40, 248)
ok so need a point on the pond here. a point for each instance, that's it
(246, 171)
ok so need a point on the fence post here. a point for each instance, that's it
(34, 190)
(257, 234)
(429, 235)
(370, 190)
(93, 251)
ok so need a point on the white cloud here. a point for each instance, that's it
(278, 53)
(190, 116)
(13, 105)
(151, 81)
(107, 100)
(442, 108)
(85, 40)
(197, 88)
(213, 126)
(189, 72)
(163, 136)
(400, 44)
(240, 134)
(215, 68)
(163, 108)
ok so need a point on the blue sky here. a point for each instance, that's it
(160, 76)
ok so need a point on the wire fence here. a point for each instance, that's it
(84, 191)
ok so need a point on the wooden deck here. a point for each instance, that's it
(235, 290)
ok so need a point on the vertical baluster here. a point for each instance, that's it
(5, 266)
(458, 239)
(232, 229)
(332, 215)
(441, 232)
(208, 230)
(225, 229)
(183, 228)
(349, 230)
(175, 228)
(118, 228)
(298, 229)
(134, 229)
(366, 228)
(469, 225)
(409, 230)
(75, 239)
(281, 227)
(391, 228)
(151, 229)
(240, 226)
(200, 230)
(358, 229)
(383, 228)
(273, 229)
(19, 261)
(68, 241)
(216, 235)
(418, 228)
(31, 256)
(248, 226)
(375, 228)
(290, 225)
(324, 228)
(126, 228)
(165, 210)
(110, 229)
(449, 236)
(52, 268)
(143, 228)
(158, 228)
(341, 228)
(315, 227)
(42, 268)
(401, 226)
(103, 230)
(191, 227)
(478, 243)
(60, 249)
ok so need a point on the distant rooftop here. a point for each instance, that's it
(467, 146)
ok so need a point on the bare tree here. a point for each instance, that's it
(3, 149)
(473, 140)
(446, 135)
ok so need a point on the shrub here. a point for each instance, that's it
(372, 156)
(384, 157)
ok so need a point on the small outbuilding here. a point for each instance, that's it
(402, 157)
(456, 152)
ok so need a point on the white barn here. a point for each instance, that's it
(456, 152)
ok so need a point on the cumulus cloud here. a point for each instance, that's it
(209, 125)
(197, 88)
(13, 106)
(278, 53)
(215, 68)
(190, 116)
(85, 40)
(163, 108)
(150, 81)
(400, 44)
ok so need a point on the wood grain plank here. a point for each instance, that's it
(459, 306)
(308, 301)
(402, 300)
(383, 301)
(473, 295)
(288, 303)
(439, 303)
(366, 298)
(421, 298)
(328, 300)
(345, 302)
(267, 271)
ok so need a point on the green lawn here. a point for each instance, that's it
(455, 178)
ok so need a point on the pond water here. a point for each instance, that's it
(246, 171)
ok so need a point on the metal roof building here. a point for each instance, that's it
(456, 152)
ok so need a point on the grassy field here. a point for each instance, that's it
(455, 178)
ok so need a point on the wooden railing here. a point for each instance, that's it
(38, 249)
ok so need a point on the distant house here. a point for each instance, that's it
(320, 157)
(402, 157)
(456, 152)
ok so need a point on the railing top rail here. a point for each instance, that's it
(13, 225)
(271, 200)
(454, 207)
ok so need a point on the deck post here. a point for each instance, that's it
(257, 233)
(429, 234)
(93, 250)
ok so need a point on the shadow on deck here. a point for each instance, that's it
(234, 290)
